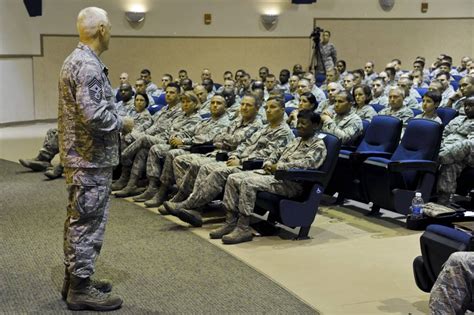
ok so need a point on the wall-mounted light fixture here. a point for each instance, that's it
(135, 17)
(269, 21)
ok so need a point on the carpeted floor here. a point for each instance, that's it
(156, 265)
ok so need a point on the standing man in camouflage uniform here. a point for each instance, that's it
(328, 51)
(307, 151)
(88, 127)
(457, 150)
(211, 178)
(453, 291)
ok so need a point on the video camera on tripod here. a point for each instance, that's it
(316, 35)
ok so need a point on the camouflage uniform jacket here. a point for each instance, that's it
(88, 122)
(264, 142)
(435, 117)
(460, 128)
(403, 113)
(381, 100)
(411, 102)
(328, 55)
(346, 127)
(366, 112)
(237, 132)
(206, 130)
(143, 121)
(184, 126)
(163, 120)
(126, 109)
(151, 88)
(300, 154)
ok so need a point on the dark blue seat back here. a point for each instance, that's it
(377, 107)
(416, 112)
(446, 114)
(422, 91)
(333, 145)
(455, 85)
(160, 100)
(456, 77)
(289, 110)
(155, 108)
(320, 78)
(383, 134)
(421, 141)
(288, 97)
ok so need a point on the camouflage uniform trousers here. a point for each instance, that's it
(241, 190)
(160, 162)
(453, 291)
(144, 142)
(454, 158)
(210, 182)
(87, 213)
(186, 168)
(50, 144)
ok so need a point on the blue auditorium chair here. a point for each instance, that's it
(391, 183)
(456, 77)
(353, 146)
(118, 97)
(455, 85)
(160, 100)
(377, 107)
(380, 139)
(422, 91)
(288, 97)
(446, 114)
(320, 78)
(302, 211)
(416, 112)
(289, 110)
(155, 108)
(437, 243)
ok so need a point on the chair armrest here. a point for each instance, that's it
(413, 165)
(304, 175)
(361, 156)
(202, 148)
(252, 165)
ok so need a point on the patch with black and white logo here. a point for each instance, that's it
(95, 90)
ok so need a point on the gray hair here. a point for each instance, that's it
(399, 89)
(89, 20)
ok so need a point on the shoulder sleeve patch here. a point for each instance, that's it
(95, 90)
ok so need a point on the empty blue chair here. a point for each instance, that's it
(446, 114)
(301, 212)
(391, 183)
(422, 91)
(377, 107)
(381, 139)
(288, 97)
(437, 243)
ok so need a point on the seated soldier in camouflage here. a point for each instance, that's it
(396, 107)
(328, 104)
(157, 133)
(302, 87)
(161, 155)
(307, 101)
(378, 96)
(409, 101)
(142, 118)
(345, 124)
(307, 151)
(457, 151)
(362, 96)
(453, 291)
(126, 106)
(466, 90)
(211, 177)
(183, 169)
(183, 126)
(431, 101)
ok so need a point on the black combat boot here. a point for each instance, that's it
(150, 191)
(242, 233)
(123, 180)
(102, 285)
(131, 189)
(228, 227)
(38, 164)
(83, 296)
(159, 198)
(54, 172)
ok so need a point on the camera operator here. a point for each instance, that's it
(328, 51)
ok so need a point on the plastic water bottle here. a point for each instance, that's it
(417, 206)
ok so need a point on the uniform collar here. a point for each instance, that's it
(86, 48)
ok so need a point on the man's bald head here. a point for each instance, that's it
(93, 25)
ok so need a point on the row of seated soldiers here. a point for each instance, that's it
(155, 139)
